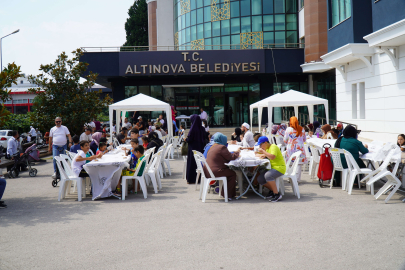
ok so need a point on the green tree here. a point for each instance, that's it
(8, 77)
(137, 24)
(63, 95)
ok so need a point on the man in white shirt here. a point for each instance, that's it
(248, 140)
(86, 135)
(127, 124)
(203, 115)
(33, 133)
(57, 138)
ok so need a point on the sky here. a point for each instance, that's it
(49, 27)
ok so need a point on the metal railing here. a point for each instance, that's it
(194, 47)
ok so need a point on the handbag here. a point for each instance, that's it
(184, 149)
(325, 166)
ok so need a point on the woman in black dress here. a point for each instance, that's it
(196, 141)
(154, 141)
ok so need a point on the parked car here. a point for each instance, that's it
(5, 135)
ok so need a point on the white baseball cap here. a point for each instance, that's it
(246, 125)
(140, 117)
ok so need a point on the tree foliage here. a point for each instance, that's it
(136, 26)
(63, 95)
(20, 122)
(8, 77)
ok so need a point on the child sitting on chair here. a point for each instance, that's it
(102, 148)
(82, 157)
(136, 153)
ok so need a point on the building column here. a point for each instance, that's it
(316, 29)
(152, 24)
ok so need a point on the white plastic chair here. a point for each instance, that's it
(382, 171)
(140, 179)
(71, 155)
(308, 165)
(337, 166)
(153, 171)
(175, 143)
(67, 157)
(354, 171)
(206, 181)
(66, 179)
(166, 159)
(315, 162)
(291, 174)
(329, 136)
(91, 152)
(199, 171)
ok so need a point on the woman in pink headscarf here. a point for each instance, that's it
(96, 140)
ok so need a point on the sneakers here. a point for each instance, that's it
(276, 198)
(270, 194)
(54, 175)
(2, 205)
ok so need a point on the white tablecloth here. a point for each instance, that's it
(378, 151)
(105, 173)
(247, 158)
(318, 143)
(182, 117)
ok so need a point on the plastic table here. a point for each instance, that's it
(245, 161)
(106, 172)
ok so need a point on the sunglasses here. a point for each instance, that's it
(58, 121)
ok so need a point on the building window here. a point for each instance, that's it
(341, 10)
(354, 101)
(22, 82)
(362, 100)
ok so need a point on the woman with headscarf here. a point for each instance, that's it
(217, 156)
(236, 135)
(350, 143)
(96, 140)
(328, 129)
(295, 139)
(196, 141)
(154, 141)
(274, 129)
(317, 129)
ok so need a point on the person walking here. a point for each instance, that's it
(203, 115)
(196, 141)
(57, 141)
(33, 133)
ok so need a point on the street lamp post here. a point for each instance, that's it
(1, 48)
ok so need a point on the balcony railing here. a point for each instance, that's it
(194, 47)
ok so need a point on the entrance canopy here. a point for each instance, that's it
(259, 106)
(296, 99)
(140, 102)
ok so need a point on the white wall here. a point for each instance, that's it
(164, 18)
(301, 24)
(384, 97)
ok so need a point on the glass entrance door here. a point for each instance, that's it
(187, 104)
(236, 109)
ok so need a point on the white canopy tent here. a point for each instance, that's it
(259, 106)
(296, 99)
(139, 102)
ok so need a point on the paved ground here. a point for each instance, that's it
(325, 229)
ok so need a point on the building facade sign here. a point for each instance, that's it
(191, 62)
